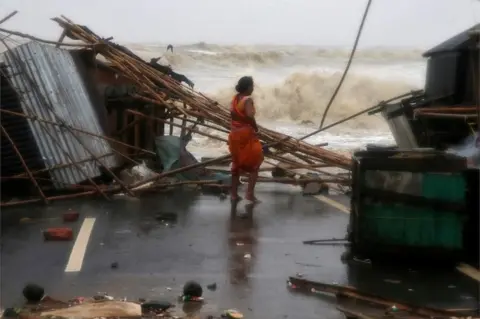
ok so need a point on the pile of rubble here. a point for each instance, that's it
(40, 305)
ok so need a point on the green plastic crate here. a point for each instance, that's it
(401, 225)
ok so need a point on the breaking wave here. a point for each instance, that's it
(302, 98)
(263, 55)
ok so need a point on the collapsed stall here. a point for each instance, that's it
(69, 123)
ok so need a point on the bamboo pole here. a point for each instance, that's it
(124, 129)
(8, 16)
(446, 109)
(178, 117)
(176, 125)
(444, 115)
(20, 157)
(36, 118)
(52, 198)
(300, 181)
(59, 166)
(26, 36)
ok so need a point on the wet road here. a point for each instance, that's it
(249, 252)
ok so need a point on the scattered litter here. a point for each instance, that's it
(191, 298)
(97, 310)
(247, 256)
(33, 293)
(169, 289)
(58, 234)
(102, 297)
(308, 265)
(410, 289)
(452, 286)
(76, 301)
(70, 216)
(155, 306)
(232, 313)
(240, 244)
(212, 287)
(123, 231)
(171, 217)
(290, 285)
(299, 274)
(192, 289)
(392, 281)
(10, 313)
(363, 261)
(24, 220)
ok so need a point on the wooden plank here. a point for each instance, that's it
(469, 271)
(351, 292)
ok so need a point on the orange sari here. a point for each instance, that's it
(243, 143)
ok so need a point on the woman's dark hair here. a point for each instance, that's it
(244, 84)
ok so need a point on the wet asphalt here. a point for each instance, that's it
(249, 252)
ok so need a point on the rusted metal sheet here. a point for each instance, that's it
(50, 87)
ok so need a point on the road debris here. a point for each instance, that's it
(212, 287)
(70, 216)
(347, 295)
(58, 234)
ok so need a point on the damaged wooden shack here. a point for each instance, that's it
(63, 125)
(73, 118)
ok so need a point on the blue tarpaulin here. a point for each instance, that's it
(172, 153)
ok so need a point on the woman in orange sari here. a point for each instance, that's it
(244, 145)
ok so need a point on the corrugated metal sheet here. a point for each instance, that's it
(455, 43)
(48, 83)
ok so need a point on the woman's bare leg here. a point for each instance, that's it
(234, 189)
(252, 181)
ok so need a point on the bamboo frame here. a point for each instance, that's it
(184, 104)
(20, 157)
(146, 76)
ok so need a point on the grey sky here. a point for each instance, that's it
(413, 23)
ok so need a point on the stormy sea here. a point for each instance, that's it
(293, 85)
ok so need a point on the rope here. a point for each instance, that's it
(352, 53)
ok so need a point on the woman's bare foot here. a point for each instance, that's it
(252, 198)
(235, 198)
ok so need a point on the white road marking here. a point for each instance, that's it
(327, 200)
(77, 254)
(469, 271)
(333, 203)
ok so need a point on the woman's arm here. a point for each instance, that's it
(250, 113)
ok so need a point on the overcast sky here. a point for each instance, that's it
(412, 23)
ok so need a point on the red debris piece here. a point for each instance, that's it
(70, 216)
(58, 234)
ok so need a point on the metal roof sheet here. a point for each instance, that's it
(455, 43)
(48, 83)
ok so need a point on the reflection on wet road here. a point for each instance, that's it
(162, 241)
(242, 240)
